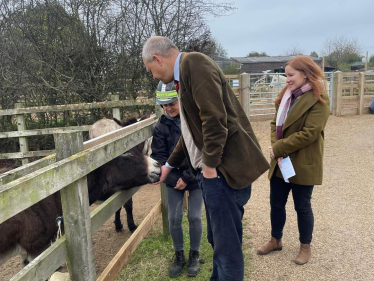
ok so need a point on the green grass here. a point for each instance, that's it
(152, 259)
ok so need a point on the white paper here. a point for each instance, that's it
(287, 169)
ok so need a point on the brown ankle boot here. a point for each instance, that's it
(272, 245)
(303, 255)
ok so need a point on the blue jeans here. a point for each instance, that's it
(175, 216)
(302, 195)
(224, 208)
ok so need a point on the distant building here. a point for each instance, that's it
(259, 64)
(357, 66)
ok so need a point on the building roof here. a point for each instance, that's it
(267, 59)
(357, 63)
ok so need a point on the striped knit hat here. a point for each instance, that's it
(166, 93)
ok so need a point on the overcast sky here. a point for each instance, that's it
(276, 26)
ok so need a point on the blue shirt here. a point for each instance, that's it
(176, 68)
(176, 78)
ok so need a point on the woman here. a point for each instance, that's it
(165, 137)
(302, 109)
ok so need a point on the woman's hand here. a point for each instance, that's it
(180, 184)
(209, 173)
(271, 152)
(280, 162)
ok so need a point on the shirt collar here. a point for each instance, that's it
(176, 68)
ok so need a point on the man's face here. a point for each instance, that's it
(159, 69)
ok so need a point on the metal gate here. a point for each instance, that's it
(264, 88)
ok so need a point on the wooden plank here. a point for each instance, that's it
(232, 76)
(18, 155)
(39, 132)
(349, 111)
(115, 266)
(26, 169)
(26, 191)
(339, 93)
(78, 106)
(76, 212)
(165, 210)
(21, 126)
(361, 93)
(45, 264)
(103, 212)
(115, 111)
(244, 90)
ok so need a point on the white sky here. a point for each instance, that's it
(276, 26)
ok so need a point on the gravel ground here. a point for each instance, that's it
(343, 238)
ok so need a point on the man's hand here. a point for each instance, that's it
(180, 184)
(210, 173)
(164, 173)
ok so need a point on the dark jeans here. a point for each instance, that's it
(224, 212)
(302, 195)
(195, 204)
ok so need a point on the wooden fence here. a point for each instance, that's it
(23, 133)
(29, 184)
(353, 93)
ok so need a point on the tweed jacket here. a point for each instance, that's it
(302, 139)
(217, 122)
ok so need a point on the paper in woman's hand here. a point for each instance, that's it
(287, 169)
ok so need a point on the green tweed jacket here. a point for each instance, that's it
(302, 139)
(217, 122)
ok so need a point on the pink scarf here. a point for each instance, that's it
(285, 106)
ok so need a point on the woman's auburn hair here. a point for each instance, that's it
(314, 76)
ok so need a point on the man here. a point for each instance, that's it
(219, 142)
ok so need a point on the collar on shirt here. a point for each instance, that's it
(176, 68)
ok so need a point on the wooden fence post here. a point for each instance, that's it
(244, 92)
(21, 126)
(164, 210)
(339, 89)
(164, 193)
(115, 111)
(76, 212)
(361, 92)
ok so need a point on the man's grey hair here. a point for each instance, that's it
(157, 45)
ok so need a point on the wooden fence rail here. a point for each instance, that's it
(23, 133)
(27, 185)
(354, 93)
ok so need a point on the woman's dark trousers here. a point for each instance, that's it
(302, 195)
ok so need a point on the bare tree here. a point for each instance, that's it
(293, 51)
(341, 51)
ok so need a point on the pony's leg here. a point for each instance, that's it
(130, 218)
(117, 221)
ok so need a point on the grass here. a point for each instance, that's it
(152, 259)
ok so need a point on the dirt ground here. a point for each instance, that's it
(343, 240)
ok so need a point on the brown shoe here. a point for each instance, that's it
(303, 255)
(272, 245)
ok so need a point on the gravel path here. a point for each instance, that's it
(343, 238)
